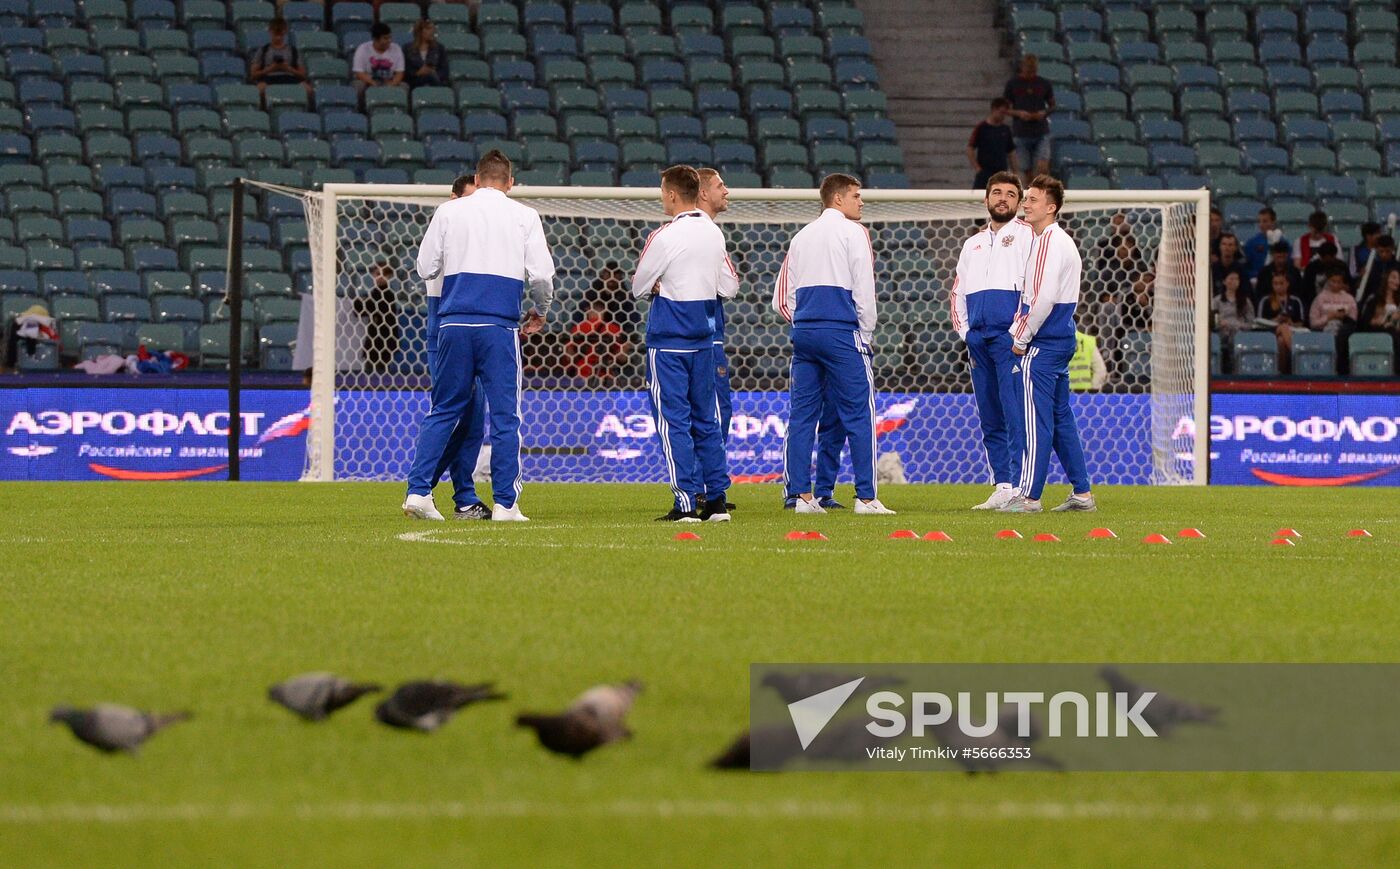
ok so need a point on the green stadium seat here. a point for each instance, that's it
(1371, 354)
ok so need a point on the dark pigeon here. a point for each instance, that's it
(1164, 712)
(114, 728)
(736, 756)
(1005, 736)
(596, 718)
(798, 686)
(426, 706)
(845, 741)
(314, 696)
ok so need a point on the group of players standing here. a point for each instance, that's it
(1013, 303)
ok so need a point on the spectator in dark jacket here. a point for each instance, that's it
(1280, 263)
(991, 149)
(1231, 260)
(425, 60)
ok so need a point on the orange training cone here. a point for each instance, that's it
(1358, 532)
(903, 534)
(794, 535)
(1156, 538)
(686, 535)
(938, 537)
(1281, 541)
(814, 535)
(1046, 538)
(1191, 534)
(1008, 534)
(1102, 534)
(1289, 532)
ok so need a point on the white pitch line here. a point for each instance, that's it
(82, 813)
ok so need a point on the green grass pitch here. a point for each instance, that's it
(171, 596)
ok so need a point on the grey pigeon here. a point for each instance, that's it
(596, 718)
(1164, 712)
(314, 696)
(797, 686)
(114, 728)
(426, 706)
(778, 745)
(1005, 736)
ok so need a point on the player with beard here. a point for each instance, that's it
(985, 299)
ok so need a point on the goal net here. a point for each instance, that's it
(584, 409)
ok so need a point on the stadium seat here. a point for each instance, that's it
(1256, 353)
(1371, 354)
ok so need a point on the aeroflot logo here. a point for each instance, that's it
(742, 426)
(1318, 429)
(122, 422)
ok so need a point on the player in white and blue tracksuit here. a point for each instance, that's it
(826, 288)
(684, 268)
(464, 447)
(1043, 340)
(714, 200)
(985, 300)
(488, 249)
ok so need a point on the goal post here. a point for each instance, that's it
(1145, 300)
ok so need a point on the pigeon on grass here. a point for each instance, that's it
(109, 727)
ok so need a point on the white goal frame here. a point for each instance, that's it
(321, 434)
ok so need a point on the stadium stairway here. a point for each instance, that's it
(940, 63)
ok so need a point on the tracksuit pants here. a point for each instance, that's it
(466, 354)
(833, 364)
(1043, 384)
(998, 401)
(681, 384)
(464, 447)
(831, 437)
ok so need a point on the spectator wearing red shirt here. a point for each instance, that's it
(1315, 238)
(596, 348)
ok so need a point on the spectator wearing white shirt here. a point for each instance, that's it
(379, 62)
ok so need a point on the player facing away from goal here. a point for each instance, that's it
(986, 297)
(1043, 340)
(714, 200)
(685, 271)
(826, 288)
(488, 249)
(464, 447)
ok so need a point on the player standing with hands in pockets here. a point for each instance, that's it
(685, 270)
(1043, 340)
(986, 298)
(826, 288)
(488, 249)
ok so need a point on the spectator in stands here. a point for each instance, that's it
(610, 289)
(1380, 270)
(378, 309)
(1334, 311)
(596, 348)
(1281, 310)
(1315, 276)
(379, 62)
(1381, 313)
(1234, 311)
(1229, 261)
(424, 57)
(1217, 226)
(1316, 236)
(1032, 100)
(1258, 248)
(1280, 263)
(277, 62)
(992, 149)
(1361, 253)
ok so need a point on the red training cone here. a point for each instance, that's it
(1191, 533)
(686, 535)
(1358, 532)
(1289, 532)
(1008, 534)
(1281, 541)
(903, 534)
(938, 537)
(1102, 534)
(814, 535)
(1156, 538)
(1046, 538)
(794, 535)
